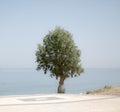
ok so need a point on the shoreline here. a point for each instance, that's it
(106, 90)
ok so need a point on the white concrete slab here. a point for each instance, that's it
(60, 103)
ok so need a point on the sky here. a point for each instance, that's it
(94, 24)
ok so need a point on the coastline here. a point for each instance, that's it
(106, 90)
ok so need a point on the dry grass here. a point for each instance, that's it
(106, 90)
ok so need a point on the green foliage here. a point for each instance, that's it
(88, 92)
(107, 87)
(58, 54)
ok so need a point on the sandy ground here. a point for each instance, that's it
(60, 103)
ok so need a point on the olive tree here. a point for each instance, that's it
(59, 55)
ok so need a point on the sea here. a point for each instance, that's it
(23, 81)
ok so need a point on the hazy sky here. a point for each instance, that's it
(95, 25)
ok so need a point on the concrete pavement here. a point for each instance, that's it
(60, 103)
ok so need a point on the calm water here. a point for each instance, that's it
(30, 81)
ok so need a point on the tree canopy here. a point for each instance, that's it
(59, 54)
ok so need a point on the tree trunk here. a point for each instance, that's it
(61, 83)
